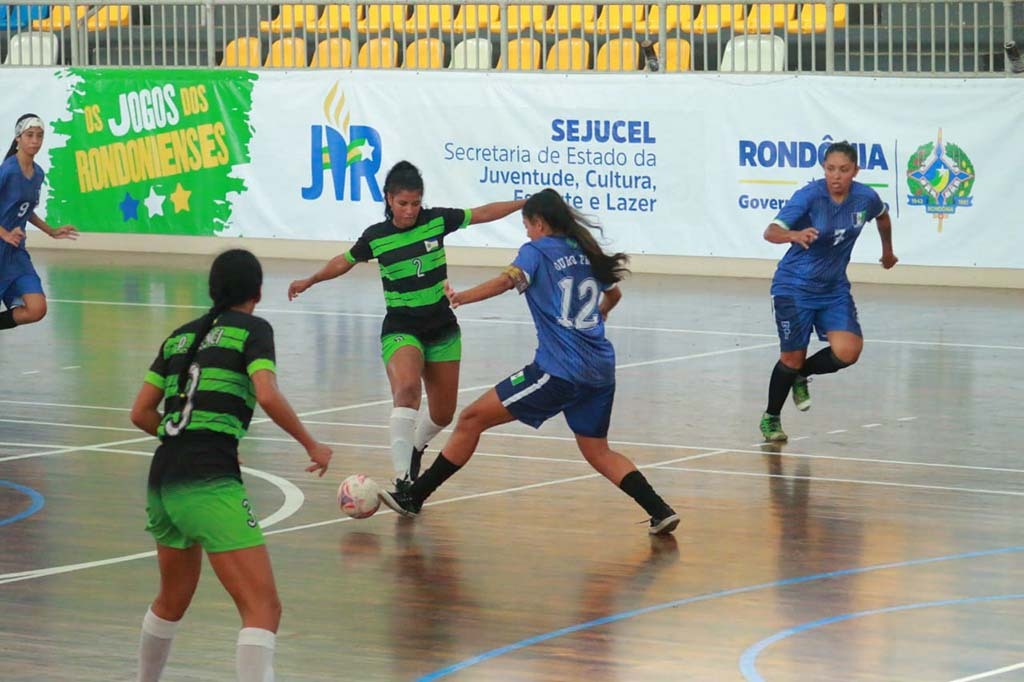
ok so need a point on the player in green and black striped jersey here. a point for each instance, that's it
(209, 374)
(420, 337)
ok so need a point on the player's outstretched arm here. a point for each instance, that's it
(62, 232)
(273, 402)
(495, 211)
(146, 408)
(777, 234)
(888, 258)
(480, 292)
(609, 299)
(336, 267)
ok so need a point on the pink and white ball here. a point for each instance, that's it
(359, 496)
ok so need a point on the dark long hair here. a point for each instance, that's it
(235, 277)
(13, 149)
(842, 147)
(402, 176)
(565, 220)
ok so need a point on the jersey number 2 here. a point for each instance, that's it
(175, 426)
(587, 292)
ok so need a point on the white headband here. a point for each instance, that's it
(27, 123)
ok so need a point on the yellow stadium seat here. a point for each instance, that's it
(523, 18)
(378, 53)
(765, 18)
(713, 18)
(677, 55)
(615, 19)
(245, 51)
(429, 18)
(337, 17)
(425, 53)
(381, 18)
(290, 18)
(523, 55)
(333, 53)
(568, 54)
(618, 54)
(287, 53)
(812, 18)
(471, 18)
(568, 18)
(676, 17)
(59, 19)
(108, 16)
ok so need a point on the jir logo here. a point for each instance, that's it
(360, 156)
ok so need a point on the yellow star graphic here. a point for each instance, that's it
(180, 199)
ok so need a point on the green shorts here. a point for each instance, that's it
(215, 514)
(448, 349)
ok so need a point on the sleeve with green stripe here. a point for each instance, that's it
(259, 347)
(157, 374)
(360, 251)
(455, 218)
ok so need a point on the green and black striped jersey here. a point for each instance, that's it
(213, 411)
(413, 268)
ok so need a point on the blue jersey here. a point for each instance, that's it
(821, 268)
(563, 296)
(18, 198)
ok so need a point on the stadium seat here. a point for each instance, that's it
(523, 55)
(568, 54)
(333, 53)
(337, 17)
(812, 18)
(245, 51)
(677, 55)
(287, 53)
(568, 18)
(677, 17)
(290, 18)
(21, 16)
(472, 18)
(713, 18)
(765, 18)
(378, 53)
(425, 53)
(33, 49)
(754, 53)
(108, 16)
(429, 18)
(523, 18)
(472, 53)
(60, 18)
(616, 19)
(618, 54)
(380, 18)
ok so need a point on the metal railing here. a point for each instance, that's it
(963, 38)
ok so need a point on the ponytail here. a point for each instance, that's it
(565, 220)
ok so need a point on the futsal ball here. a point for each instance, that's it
(359, 496)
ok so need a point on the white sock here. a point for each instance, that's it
(403, 424)
(154, 645)
(426, 429)
(254, 660)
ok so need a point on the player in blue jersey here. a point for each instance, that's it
(570, 287)
(20, 179)
(810, 289)
(421, 344)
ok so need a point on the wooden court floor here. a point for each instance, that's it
(884, 542)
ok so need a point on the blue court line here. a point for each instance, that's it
(37, 502)
(748, 661)
(530, 641)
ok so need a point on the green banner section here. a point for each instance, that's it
(151, 151)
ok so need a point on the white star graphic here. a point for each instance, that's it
(366, 151)
(154, 202)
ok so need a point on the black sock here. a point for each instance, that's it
(431, 479)
(636, 486)
(779, 387)
(7, 319)
(822, 362)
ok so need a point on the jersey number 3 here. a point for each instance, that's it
(587, 293)
(175, 426)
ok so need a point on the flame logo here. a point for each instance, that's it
(334, 107)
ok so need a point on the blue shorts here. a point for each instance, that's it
(533, 396)
(795, 318)
(12, 290)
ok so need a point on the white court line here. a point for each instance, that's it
(825, 479)
(72, 367)
(31, 371)
(68, 405)
(836, 431)
(990, 673)
(527, 322)
(906, 419)
(870, 426)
